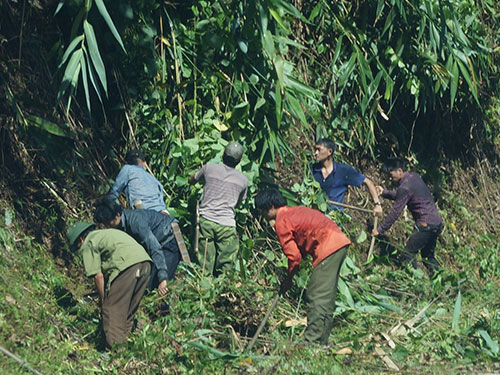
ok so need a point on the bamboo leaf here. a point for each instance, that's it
(456, 312)
(467, 78)
(109, 21)
(344, 291)
(454, 83)
(48, 126)
(93, 78)
(85, 81)
(95, 56)
(69, 73)
(492, 345)
(279, 108)
(296, 108)
(70, 49)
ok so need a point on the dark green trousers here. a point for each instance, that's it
(218, 246)
(320, 297)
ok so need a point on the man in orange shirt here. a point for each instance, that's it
(303, 231)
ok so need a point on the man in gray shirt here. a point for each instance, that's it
(224, 187)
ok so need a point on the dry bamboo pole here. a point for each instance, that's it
(349, 206)
(268, 313)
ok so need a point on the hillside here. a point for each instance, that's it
(179, 80)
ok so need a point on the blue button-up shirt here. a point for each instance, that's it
(335, 184)
(138, 184)
(153, 230)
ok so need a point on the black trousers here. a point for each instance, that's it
(424, 239)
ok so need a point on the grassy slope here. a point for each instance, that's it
(47, 319)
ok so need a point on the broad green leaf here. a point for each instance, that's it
(279, 67)
(456, 312)
(107, 18)
(260, 103)
(493, 345)
(362, 236)
(346, 70)
(95, 56)
(48, 126)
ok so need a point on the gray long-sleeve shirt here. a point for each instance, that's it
(413, 192)
(153, 230)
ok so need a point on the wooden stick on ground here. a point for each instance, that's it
(273, 305)
(19, 360)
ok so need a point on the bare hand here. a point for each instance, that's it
(375, 232)
(162, 288)
(377, 210)
(380, 189)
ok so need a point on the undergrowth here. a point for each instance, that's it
(386, 318)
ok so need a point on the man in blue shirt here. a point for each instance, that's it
(334, 177)
(142, 189)
(152, 230)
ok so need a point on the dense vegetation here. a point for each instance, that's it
(83, 80)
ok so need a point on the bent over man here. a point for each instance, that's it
(412, 192)
(152, 230)
(142, 189)
(303, 231)
(120, 267)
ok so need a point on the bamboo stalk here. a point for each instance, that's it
(254, 338)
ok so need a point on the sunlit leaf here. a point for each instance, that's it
(107, 18)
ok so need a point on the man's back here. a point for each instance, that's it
(224, 187)
(138, 184)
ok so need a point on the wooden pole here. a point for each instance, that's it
(349, 206)
(372, 243)
(254, 338)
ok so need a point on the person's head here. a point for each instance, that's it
(135, 157)
(323, 150)
(76, 234)
(108, 213)
(395, 168)
(232, 154)
(268, 201)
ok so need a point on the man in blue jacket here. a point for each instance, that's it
(141, 188)
(152, 230)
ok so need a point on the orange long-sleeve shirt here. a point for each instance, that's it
(303, 231)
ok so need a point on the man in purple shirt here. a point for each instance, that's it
(412, 192)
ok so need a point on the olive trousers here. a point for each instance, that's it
(218, 246)
(121, 302)
(320, 297)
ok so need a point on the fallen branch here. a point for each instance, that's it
(19, 360)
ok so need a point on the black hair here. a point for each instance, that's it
(134, 156)
(229, 161)
(269, 198)
(393, 164)
(328, 143)
(106, 210)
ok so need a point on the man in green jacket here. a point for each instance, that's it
(121, 269)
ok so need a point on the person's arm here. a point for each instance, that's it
(290, 249)
(377, 208)
(120, 184)
(402, 198)
(99, 284)
(196, 177)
